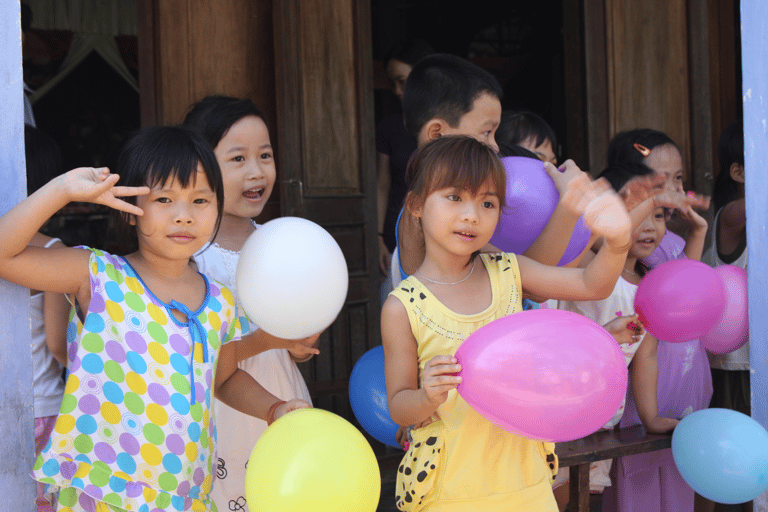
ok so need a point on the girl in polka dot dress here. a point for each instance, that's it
(149, 335)
(457, 460)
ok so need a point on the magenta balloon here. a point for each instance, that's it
(544, 374)
(531, 198)
(732, 330)
(680, 300)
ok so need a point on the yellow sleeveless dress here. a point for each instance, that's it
(463, 462)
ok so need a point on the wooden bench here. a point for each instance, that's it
(604, 444)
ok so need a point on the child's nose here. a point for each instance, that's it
(183, 215)
(255, 171)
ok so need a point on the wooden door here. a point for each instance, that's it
(326, 158)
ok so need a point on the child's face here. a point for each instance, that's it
(458, 220)
(481, 122)
(177, 221)
(544, 151)
(247, 167)
(398, 72)
(647, 236)
(667, 162)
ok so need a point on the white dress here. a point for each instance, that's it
(273, 369)
(621, 302)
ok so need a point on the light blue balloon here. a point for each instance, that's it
(722, 454)
(368, 397)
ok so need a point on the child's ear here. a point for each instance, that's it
(737, 172)
(411, 207)
(434, 128)
(130, 219)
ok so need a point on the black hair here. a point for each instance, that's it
(624, 146)
(517, 127)
(156, 154)
(44, 160)
(515, 150)
(214, 115)
(730, 150)
(444, 86)
(409, 51)
(619, 174)
(26, 17)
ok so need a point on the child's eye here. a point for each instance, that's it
(453, 197)
(489, 204)
(266, 156)
(239, 158)
(679, 177)
(201, 200)
(163, 200)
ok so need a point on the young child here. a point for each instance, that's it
(447, 95)
(667, 382)
(149, 334)
(617, 312)
(236, 130)
(453, 462)
(49, 312)
(529, 130)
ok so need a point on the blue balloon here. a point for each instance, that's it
(722, 454)
(368, 396)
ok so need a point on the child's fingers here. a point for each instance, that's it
(119, 204)
(129, 191)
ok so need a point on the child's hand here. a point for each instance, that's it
(564, 175)
(625, 329)
(290, 405)
(574, 186)
(606, 215)
(659, 425)
(696, 221)
(303, 350)
(640, 188)
(97, 186)
(681, 201)
(437, 381)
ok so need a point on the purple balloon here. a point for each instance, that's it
(680, 300)
(544, 374)
(732, 330)
(531, 198)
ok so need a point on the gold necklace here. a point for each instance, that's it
(629, 272)
(450, 284)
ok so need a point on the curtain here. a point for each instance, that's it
(82, 45)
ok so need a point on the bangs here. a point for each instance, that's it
(456, 162)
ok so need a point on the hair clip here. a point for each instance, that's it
(642, 149)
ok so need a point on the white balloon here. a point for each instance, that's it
(291, 278)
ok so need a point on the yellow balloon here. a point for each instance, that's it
(312, 460)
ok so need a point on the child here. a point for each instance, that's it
(236, 130)
(667, 381)
(149, 333)
(659, 152)
(617, 312)
(49, 311)
(455, 455)
(530, 131)
(447, 95)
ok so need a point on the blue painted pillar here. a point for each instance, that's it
(754, 63)
(17, 437)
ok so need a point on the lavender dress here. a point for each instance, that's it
(650, 482)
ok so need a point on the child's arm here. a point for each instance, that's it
(62, 270)
(694, 244)
(237, 389)
(732, 226)
(260, 341)
(56, 309)
(606, 216)
(645, 375)
(408, 403)
(571, 184)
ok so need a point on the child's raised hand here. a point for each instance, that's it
(625, 329)
(606, 215)
(574, 186)
(660, 425)
(291, 405)
(97, 186)
(438, 378)
(564, 174)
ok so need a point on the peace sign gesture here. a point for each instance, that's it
(88, 184)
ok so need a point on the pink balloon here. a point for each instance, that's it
(531, 198)
(544, 374)
(732, 330)
(680, 300)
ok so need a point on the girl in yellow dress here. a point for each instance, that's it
(457, 460)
